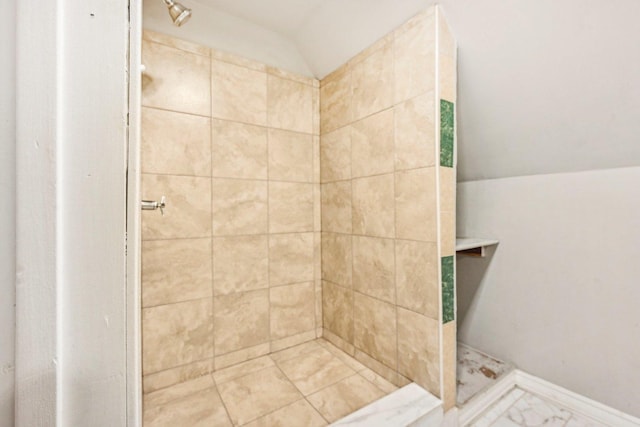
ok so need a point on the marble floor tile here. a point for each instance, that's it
(523, 409)
(344, 397)
(203, 408)
(297, 414)
(313, 371)
(257, 394)
(476, 372)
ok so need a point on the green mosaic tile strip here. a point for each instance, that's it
(448, 289)
(447, 133)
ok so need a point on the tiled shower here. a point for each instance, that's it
(300, 209)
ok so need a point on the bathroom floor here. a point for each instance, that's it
(521, 408)
(476, 372)
(312, 384)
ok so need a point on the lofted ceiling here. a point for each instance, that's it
(544, 86)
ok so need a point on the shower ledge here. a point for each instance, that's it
(409, 406)
(473, 246)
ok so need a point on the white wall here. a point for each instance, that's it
(560, 295)
(228, 33)
(7, 211)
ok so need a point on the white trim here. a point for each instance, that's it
(574, 402)
(133, 297)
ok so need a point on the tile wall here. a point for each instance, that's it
(232, 270)
(388, 205)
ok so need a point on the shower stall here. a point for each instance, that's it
(302, 264)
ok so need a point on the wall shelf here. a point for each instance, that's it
(473, 246)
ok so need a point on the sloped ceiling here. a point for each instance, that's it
(545, 86)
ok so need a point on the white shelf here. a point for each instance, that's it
(473, 246)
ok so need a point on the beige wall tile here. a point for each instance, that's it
(164, 39)
(238, 93)
(175, 80)
(317, 207)
(290, 156)
(318, 301)
(337, 309)
(448, 72)
(345, 397)
(417, 277)
(336, 207)
(279, 72)
(241, 320)
(335, 101)
(169, 377)
(238, 150)
(336, 258)
(289, 105)
(237, 60)
(201, 408)
(316, 109)
(340, 343)
(389, 374)
(415, 132)
(175, 270)
(449, 363)
(291, 258)
(372, 145)
(374, 267)
(445, 38)
(372, 81)
(447, 233)
(313, 371)
(188, 211)
(335, 155)
(240, 264)
(415, 60)
(236, 371)
(292, 309)
(257, 394)
(293, 352)
(175, 143)
(176, 334)
(373, 206)
(447, 189)
(374, 324)
(286, 342)
(239, 356)
(316, 158)
(290, 207)
(300, 412)
(239, 206)
(418, 349)
(416, 205)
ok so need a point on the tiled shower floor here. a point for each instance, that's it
(312, 384)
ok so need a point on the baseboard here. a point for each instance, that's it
(573, 401)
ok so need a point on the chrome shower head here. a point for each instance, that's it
(179, 13)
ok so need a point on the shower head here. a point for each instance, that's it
(179, 13)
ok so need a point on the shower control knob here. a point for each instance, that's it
(152, 205)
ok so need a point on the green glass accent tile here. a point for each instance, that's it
(447, 133)
(448, 289)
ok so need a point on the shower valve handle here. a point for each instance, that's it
(152, 205)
